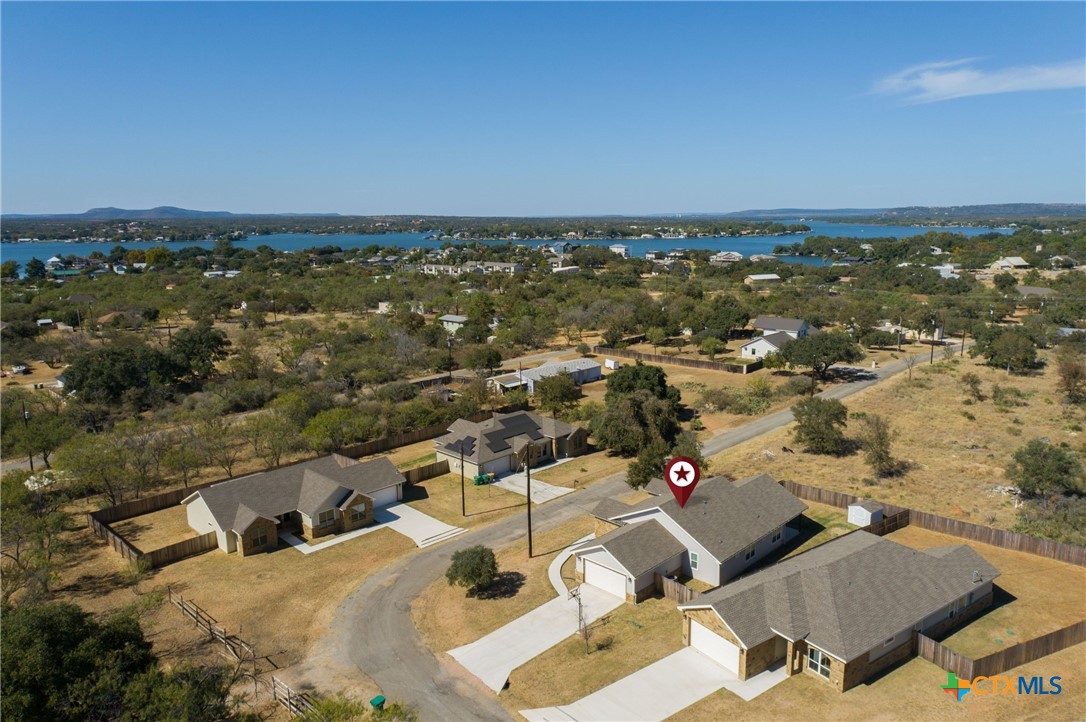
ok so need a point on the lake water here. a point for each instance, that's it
(23, 252)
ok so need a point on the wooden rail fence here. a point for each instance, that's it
(735, 368)
(295, 702)
(999, 662)
(238, 648)
(675, 591)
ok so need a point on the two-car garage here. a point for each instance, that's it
(713, 646)
(603, 578)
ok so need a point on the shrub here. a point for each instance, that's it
(474, 567)
(798, 386)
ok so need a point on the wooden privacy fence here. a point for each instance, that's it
(895, 519)
(182, 550)
(944, 657)
(103, 531)
(422, 473)
(735, 368)
(675, 591)
(376, 446)
(1000, 537)
(999, 662)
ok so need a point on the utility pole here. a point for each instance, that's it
(26, 428)
(932, 360)
(463, 498)
(528, 471)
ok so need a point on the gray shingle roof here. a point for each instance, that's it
(776, 323)
(310, 487)
(849, 594)
(777, 339)
(639, 547)
(726, 517)
(493, 439)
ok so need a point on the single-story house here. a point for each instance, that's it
(580, 370)
(842, 611)
(794, 327)
(324, 496)
(496, 446)
(452, 322)
(760, 346)
(725, 528)
(725, 257)
(761, 279)
(1008, 263)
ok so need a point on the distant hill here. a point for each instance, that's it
(159, 213)
(918, 213)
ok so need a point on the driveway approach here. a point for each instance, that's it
(372, 631)
(658, 691)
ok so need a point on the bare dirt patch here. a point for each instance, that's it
(955, 451)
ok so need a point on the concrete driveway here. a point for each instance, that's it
(542, 492)
(658, 691)
(421, 528)
(493, 657)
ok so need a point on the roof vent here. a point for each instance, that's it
(976, 577)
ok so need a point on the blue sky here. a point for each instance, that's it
(523, 109)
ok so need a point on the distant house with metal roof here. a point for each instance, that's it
(725, 528)
(794, 327)
(452, 322)
(324, 496)
(1008, 263)
(498, 445)
(762, 279)
(843, 611)
(580, 370)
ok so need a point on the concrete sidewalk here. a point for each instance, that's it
(493, 657)
(658, 691)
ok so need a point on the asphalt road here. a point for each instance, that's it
(373, 631)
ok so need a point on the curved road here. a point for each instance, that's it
(373, 631)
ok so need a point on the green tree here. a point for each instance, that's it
(613, 337)
(271, 435)
(819, 424)
(9, 270)
(1014, 351)
(656, 337)
(60, 664)
(876, 437)
(115, 373)
(1040, 467)
(687, 444)
(35, 269)
(31, 537)
(198, 348)
(1005, 282)
(474, 568)
(330, 430)
(648, 465)
(42, 435)
(820, 351)
(630, 378)
(484, 360)
(556, 394)
(632, 421)
(712, 345)
(972, 382)
(1071, 372)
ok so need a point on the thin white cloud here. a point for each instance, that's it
(932, 82)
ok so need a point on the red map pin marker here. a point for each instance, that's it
(682, 475)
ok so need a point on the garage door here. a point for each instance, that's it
(603, 578)
(384, 497)
(713, 646)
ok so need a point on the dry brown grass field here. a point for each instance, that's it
(447, 618)
(952, 461)
(440, 498)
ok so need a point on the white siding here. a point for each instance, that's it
(708, 570)
(201, 520)
(757, 348)
(605, 578)
(737, 564)
(671, 566)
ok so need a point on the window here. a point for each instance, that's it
(358, 513)
(818, 662)
(693, 560)
(777, 535)
(749, 553)
(326, 517)
(261, 538)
